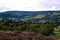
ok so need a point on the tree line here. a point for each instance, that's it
(43, 28)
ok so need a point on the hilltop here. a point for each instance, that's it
(30, 15)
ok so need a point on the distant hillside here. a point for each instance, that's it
(37, 16)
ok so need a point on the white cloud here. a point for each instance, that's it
(20, 4)
(50, 5)
(51, 8)
(29, 5)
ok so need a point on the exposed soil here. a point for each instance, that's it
(22, 35)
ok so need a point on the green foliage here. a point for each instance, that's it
(44, 28)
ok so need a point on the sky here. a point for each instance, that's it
(29, 5)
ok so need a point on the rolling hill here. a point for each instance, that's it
(35, 16)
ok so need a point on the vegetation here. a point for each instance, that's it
(43, 28)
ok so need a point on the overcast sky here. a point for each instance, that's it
(29, 5)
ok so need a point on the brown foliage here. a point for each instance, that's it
(18, 35)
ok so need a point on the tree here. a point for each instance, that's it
(46, 29)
